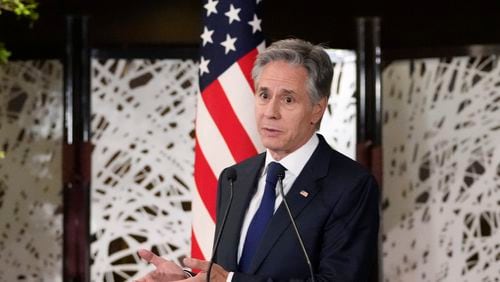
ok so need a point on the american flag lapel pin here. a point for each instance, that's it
(304, 193)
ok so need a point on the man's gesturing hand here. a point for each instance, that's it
(218, 274)
(165, 271)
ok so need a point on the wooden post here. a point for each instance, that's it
(369, 105)
(76, 152)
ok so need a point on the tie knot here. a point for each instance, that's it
(274, 170)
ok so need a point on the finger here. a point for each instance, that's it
(145, 254)
(150, 257)
(196, 263)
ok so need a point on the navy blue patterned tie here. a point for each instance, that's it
(262, 216)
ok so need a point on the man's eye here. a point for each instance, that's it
(288, 99)
(263, 95)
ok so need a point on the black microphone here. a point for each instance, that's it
(231, 177)
(281, 175)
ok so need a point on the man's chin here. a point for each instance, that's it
(272, 145)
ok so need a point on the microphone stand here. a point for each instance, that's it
(231, 177)
(309, 265)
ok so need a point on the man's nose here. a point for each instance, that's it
(273, 108)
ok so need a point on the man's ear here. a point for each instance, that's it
(319, 109)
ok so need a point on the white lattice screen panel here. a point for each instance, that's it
(441, 202)
(338, 125)
(31, 110)
(142, 163)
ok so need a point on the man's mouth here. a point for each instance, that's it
(271, 130)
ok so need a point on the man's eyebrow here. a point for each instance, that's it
(288, 91)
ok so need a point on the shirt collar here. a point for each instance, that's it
(296, 160)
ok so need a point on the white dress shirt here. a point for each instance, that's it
(294, 163)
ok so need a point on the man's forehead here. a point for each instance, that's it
(280, 76)
(280, 89)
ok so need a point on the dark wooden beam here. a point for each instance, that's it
(76, 152)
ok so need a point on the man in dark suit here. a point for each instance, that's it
(333, 200)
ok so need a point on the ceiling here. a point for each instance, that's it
(422, 25)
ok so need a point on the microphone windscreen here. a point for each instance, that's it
(231, 174)
(281, 172)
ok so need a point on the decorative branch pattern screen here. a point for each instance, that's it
(31, 109)
(338, 125)
(441, 202)
(142, 164)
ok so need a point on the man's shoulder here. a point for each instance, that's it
(250, 162)
(340, 164)
(340, 160)
(347, 177)
(249, 166)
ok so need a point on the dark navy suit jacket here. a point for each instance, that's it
(338, 221)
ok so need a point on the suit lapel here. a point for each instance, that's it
(244, 188)
(315, 168)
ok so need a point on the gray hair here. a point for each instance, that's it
(302, 53)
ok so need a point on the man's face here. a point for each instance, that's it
(286, 117)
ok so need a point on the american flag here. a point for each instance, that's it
(225, 124)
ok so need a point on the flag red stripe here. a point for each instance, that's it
(223, 116)
(237, 139)
(206, 181)
(246, 65)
